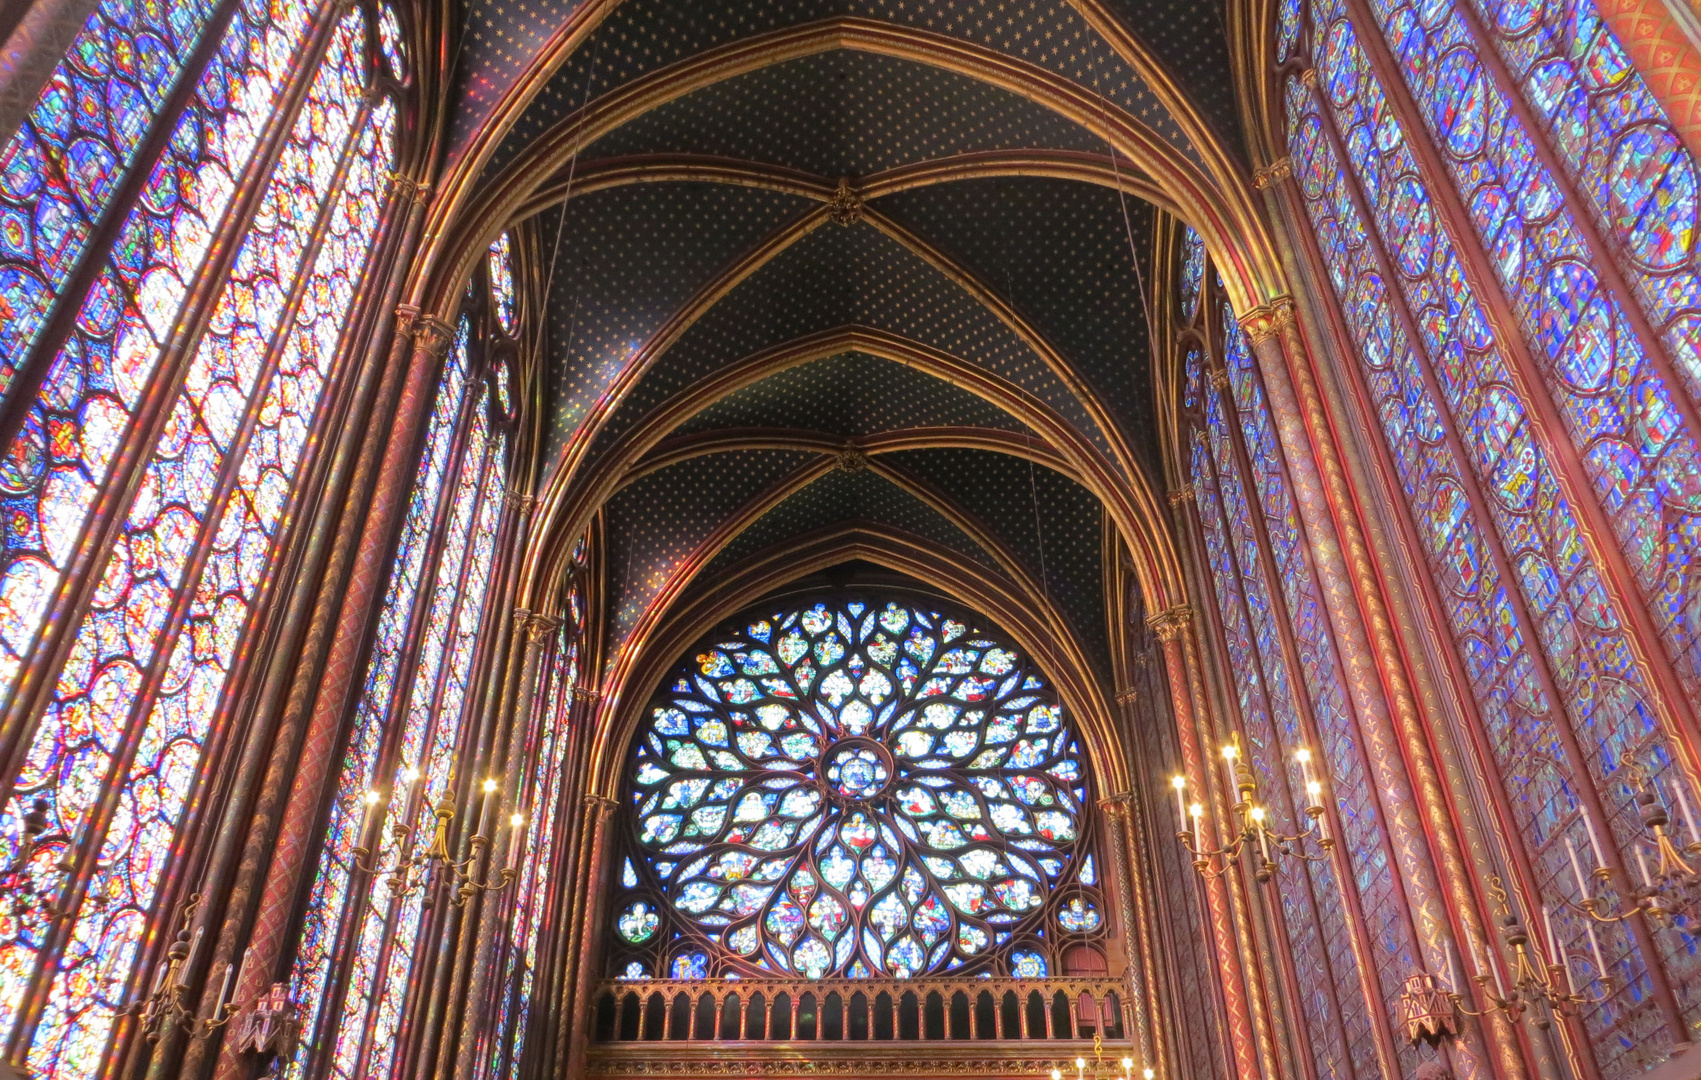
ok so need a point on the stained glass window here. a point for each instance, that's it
(1559, 689)
(360, 942)
(502, 282)
(116, 757)
(75, 146)
(53, 472)
(1192, 271)
(861, 788)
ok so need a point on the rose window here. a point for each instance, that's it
(852, 789)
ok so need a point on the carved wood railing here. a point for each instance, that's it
(840, 1010)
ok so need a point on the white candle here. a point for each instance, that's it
(1230, 752)
(1642, 863)
(1688, 815)
(1453, 973)
(1552, 937)
(1594, 841)
(1577, 868)
(1180, 785)
(1595, 948)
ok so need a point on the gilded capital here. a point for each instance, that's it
(1275, 172)
(432, 335)
(1180, 495)
(1170, 622)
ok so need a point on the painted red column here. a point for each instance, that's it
(431, 336)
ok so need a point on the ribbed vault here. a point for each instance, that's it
(845, 267)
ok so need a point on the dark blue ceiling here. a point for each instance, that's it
(641, 36)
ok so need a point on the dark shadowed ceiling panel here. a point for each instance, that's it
(838, 276)
(627, 259)
(1060, 252)
(657, 521)
(847, 114)
(1044, 517)
(643, 35)
(850, 394)
(842, 498)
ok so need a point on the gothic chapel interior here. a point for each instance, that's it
(1097, 539)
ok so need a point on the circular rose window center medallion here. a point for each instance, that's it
(856, 770)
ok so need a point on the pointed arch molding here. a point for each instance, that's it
(669, 628)
(471, 211)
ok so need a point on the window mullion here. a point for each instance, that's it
(385, 761)
(1304, 711)
(410, 988)
(1277, 782)
(467, 457)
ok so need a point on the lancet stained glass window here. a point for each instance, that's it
(1565, 700)
(53, 472)
(437, 600)
(117, 756)
(856, 787)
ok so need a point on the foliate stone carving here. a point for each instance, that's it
(851, 459)
(1273, 173)
(432, 335)
(1169, 623)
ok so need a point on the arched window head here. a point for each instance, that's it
(1192, 272)
(502, 283)
(856, 787)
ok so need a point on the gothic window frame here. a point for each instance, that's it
(678, 948)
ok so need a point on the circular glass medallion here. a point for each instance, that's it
(856, 770)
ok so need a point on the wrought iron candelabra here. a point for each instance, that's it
(1255, 838)
(1673, 884)
(409, 867)
(15, 879)
(1541, 985)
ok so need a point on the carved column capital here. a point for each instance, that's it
(1170, 622)
(518, 500)
(534, 624)
(1180, 495)
(432, 335)
(1273, 173)
(586, 693)
(1267, 320)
